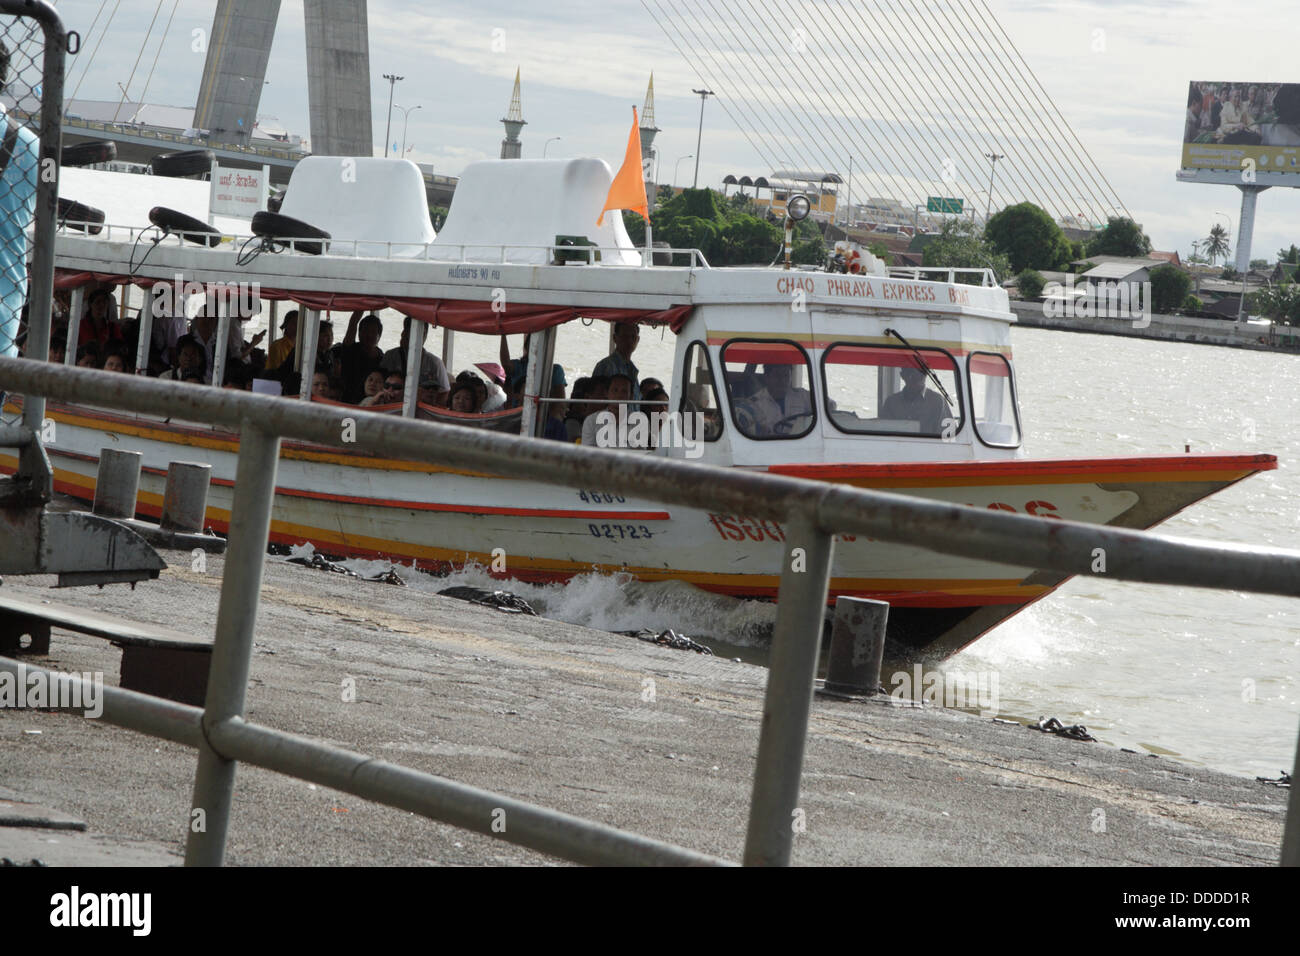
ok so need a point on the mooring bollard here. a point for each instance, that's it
(185, 499)
(117, 483)
(857, 646)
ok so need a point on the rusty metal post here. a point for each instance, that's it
(117, 483)
(185, 498)
(857, 647)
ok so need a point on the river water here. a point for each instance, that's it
(1207, 677)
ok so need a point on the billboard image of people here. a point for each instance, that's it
(1227, 123)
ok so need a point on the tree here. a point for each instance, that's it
(959, 246)
(881, 252)
(1291, 255)
(1169, 288)
(1030, 284)
(1193, 304)
(1216, 244)
(1260, 264)
(1281, 303)
(635, 226)
(1028, 237)
(1121, 237)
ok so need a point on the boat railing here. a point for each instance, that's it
(812, 512)
(493, 253)
(943, 274)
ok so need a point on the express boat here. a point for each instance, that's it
(902, 380)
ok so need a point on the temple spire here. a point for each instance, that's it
(514, 122)
(648, 131)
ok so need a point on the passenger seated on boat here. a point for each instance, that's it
(431, 366)
(469, 380)
(776, 406)
(279, 350)
(99, 321)
(115, 360)
(361, 353)
(554, 428)
(190, 357)
(464, 398)
(238, 376)
(430, 392)
(320, 386)
(595, 428)
(324, 358)
(168, 327)
(89, 356)
(496, 378)
(577, 410)
(918, 403)
(394, 385)
(619, 361)
(374, 385)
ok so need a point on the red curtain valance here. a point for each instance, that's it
(457, 314)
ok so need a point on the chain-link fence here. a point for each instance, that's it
(22, 49)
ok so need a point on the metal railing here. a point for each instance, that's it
(352, 248)
(928, 273)
(812, 511)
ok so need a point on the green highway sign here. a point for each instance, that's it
(939, 204)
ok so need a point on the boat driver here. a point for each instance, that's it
(777, 402)
(918, 403)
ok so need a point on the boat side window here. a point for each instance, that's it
(892, 390)
(767, 386)
(993, 398)
(700, 395)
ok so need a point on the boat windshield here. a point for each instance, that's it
(993, 400)
(767, 386)
(885, 390)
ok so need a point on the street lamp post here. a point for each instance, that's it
(406, 116)
(993, 158)
(679, 166)
(699, 138)
(548, 143)
(388, 130)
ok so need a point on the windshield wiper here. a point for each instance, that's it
(924, 365)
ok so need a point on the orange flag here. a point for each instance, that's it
(628, 189)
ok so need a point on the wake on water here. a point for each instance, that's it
(607, 602)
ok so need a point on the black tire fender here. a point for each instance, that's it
(87, 154)
(169, 220)
(273, 225)
(189, 162)
(79, 216)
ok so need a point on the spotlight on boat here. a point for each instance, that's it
(797, 208)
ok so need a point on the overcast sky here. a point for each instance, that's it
(1122, 89)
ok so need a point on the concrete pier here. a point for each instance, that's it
(657, 741)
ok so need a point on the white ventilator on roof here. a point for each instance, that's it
(371, 200)
(521, 203)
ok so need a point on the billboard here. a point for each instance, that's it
(1236, 126)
